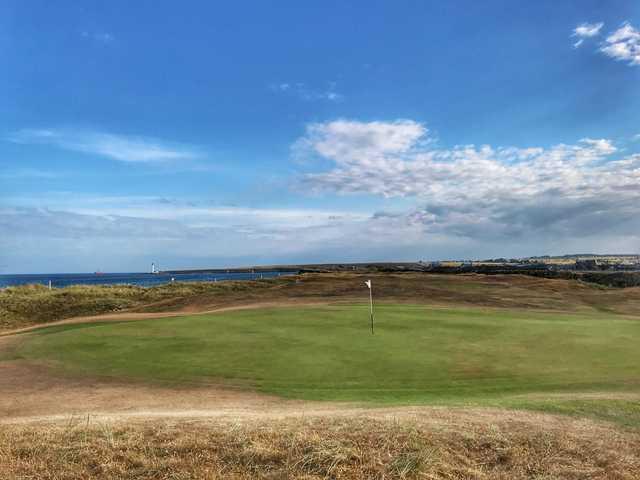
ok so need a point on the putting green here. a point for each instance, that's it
(417, 355)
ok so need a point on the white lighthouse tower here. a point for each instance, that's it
(153, 268)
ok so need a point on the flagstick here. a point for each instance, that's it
(368, 284)
(371, 304)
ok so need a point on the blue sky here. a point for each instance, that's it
(232, 133)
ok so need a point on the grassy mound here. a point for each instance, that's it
(418, 354)
(34, 304)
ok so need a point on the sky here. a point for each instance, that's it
(210, 134)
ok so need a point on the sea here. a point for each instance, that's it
(141, 279)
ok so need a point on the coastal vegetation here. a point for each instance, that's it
(27, 305)
(35, 304)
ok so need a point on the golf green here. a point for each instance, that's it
(417, 354)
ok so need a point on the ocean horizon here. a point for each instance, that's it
(142, 279)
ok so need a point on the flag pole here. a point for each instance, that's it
(371, 303)
(368, 283)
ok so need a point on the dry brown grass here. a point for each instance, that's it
(319, 448)
(35, 304)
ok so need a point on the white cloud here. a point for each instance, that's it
(472, 190)
(124, 148)
(586, 30)
(623, 44)
(308, 93)
(344, 141)
(392, 159)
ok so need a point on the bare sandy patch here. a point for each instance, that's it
(35, 391)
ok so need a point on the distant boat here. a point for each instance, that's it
(98, 273)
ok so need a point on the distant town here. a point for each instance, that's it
(572, 262)
(581, 262)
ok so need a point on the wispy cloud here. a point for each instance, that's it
(29, 173)
(307, 93)
(191, 214)
(103, 38)
(128, 230)
(586, 30)
(124, 148)
(126, 233)
(623, 45)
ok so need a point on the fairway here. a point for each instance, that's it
(418, 354)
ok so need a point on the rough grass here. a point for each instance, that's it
(320, 449)
(418, 354)
(32, 305)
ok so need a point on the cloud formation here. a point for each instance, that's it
(586, 30)
(471, 190)
(123, 148)
(623, 45)
(461, 202)
(128, 233)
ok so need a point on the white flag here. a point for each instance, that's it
(368, 283)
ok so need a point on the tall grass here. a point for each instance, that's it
(33, 304)
(318, 448)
